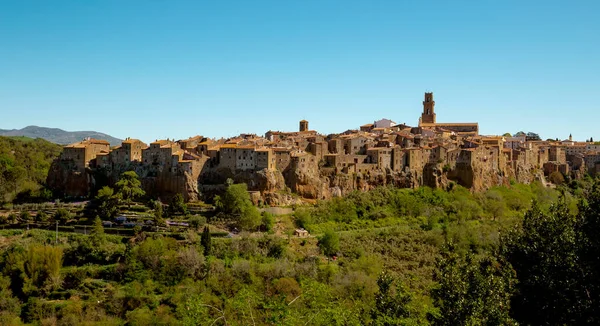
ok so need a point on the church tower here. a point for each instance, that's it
(428, 115)
(303, 125)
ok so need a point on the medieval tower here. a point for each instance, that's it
(303, 125)
(428, 115)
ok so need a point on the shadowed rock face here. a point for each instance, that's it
(162, 184)
(64, 180)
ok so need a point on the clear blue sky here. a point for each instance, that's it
(157, 69)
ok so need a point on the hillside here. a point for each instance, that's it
(58, 136)
(24, 164)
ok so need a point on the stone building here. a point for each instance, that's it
(83, 153)
(380, 156)
(245, 156)
(303, 125)
(129, 151)
(162, 154)
(428, 120)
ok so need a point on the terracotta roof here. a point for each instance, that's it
(98, 141)
(131, 140)
(160, 142)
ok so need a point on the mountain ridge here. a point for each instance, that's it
(58, 136)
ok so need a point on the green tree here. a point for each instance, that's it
(25, 216)
(107, 202)
(177, 205)
(129, 187)
(494, 204)
(41, 216)
(236, 202)
(197, 221)
(268, 220)
(62, 215)
(205, 241)
(97, 233)
(157, 206)
(471, 290)
(589, 253)
(250, 219)
(41, 269)
(391, 302)
(329, 243)
(543, 252)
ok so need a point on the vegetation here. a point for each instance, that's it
(236, 202)
(24, 165)
(129, 187)
(523, 254)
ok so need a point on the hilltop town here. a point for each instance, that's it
(281, 167)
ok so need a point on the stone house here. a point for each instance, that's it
(129, 151)
(83, 153)
(380, 156)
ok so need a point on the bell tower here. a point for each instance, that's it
(428, 115)
(303, 125)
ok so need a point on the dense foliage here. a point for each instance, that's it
(24, 165)
(523, 254)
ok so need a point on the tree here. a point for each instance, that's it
(494, 204)
(471, 291)
(329, 243)
(391, 302)
(533, 136)
(107, 202)
(235, 199)
(250, 219)
(157, 206)
(129, 187)
(507, 134)
(267, 221)
(197, 221)
(543, 252)
(205, 241)
(236, 202)
(97, 229)
(177, 205)
(41, 269)
(41, 216)
(557, 178)
(25, 216)
(62, 215)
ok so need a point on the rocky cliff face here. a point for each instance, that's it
(64, 179)
(162, 184)
(274, 188)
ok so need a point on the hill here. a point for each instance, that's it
(58, 136)
(24, 165)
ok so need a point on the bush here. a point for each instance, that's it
(267, 222)
(41, 216)
(197, 221)
(329, 243)
(62, 215)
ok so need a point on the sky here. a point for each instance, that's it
(174, 69)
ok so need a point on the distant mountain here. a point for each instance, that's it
(59, 136)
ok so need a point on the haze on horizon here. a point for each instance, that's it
(173, 69)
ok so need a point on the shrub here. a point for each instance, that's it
(197, 221)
